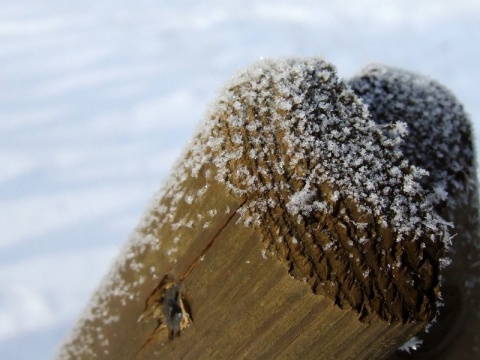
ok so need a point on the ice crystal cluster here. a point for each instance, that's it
(412, 344)
(299, 145)
(439, 131)
(297, 122)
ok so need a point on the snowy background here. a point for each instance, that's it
(98, 97)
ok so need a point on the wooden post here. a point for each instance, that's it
(292, 227)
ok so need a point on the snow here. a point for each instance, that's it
(98, 98)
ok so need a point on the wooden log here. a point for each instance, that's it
(292, 227)
(440, 141)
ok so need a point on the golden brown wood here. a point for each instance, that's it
(249, 307)
(275, 258)
(244, 303)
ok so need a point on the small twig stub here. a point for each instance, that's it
(168, 305)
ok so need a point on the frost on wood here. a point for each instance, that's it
(150, 253)
(330, 188)
(439, 140)
(326, 186)
(439, 133)
(92, 335)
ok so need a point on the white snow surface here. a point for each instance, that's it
(97, 99)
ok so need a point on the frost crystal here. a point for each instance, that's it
(302, 201)
(413, 343)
